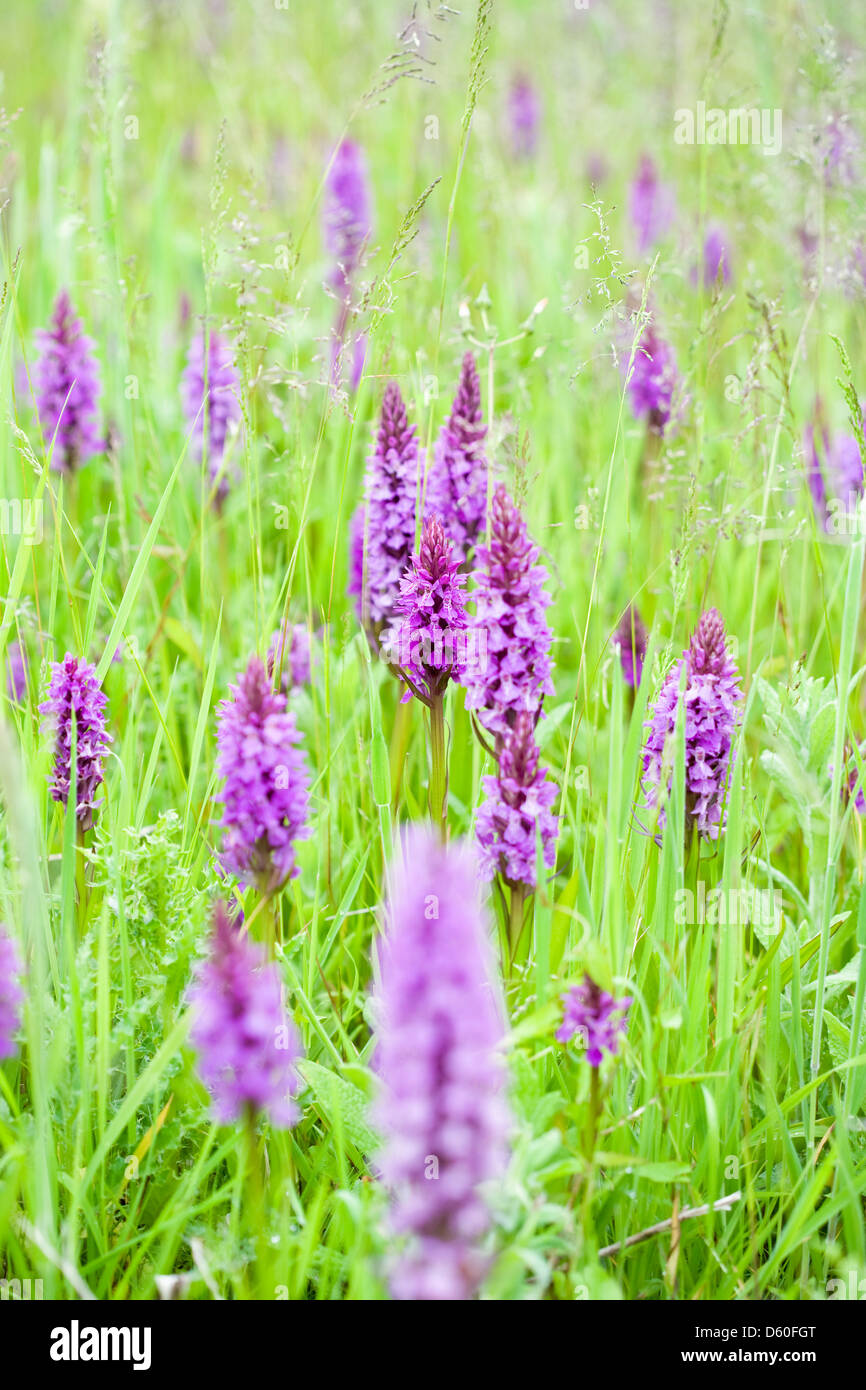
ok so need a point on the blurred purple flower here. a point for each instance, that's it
(524, 111)
(441, 1108)
(836, 479)
(289, 656)
(347, 229)
(651, 205)
(853, 779)
(215, 398)
(855, 274)
(387, 514)
(653, 381)
(66, 379)
(711, 697)
(11, 993)
(457, 481)
(346, 212)
(845, 467)
(631, 639)
(589, 1015)
(509, 611)
(517, 811)
(248, 1045)
(17, 666)
(716, 256)
(265, 795)
(814, 473)
(597, 168)
(73, 687)
(839, 150)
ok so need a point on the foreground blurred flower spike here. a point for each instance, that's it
(74, 689)
(248, 1046)
(441, 1109)
(210, 399)
(66, 380)
(265, 795)
(517, 811)
(711, 697)
(590, 1016)
(11, 993)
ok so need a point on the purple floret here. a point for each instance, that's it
(590, 1016)
(66, 379)
(510, 600)
(457, 482)
(74, 687)
(441, 1109)
(517, 811)
(712, 694)
(265, 795)
(247, 1044)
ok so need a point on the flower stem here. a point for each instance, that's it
(594, 1112)
(515, 917)
(80, 877)
(438, 764)
(399, 744)
(589, 1140)
(272, 925)
(256, 1214)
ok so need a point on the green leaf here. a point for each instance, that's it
(341, 1101)
(821, 738)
